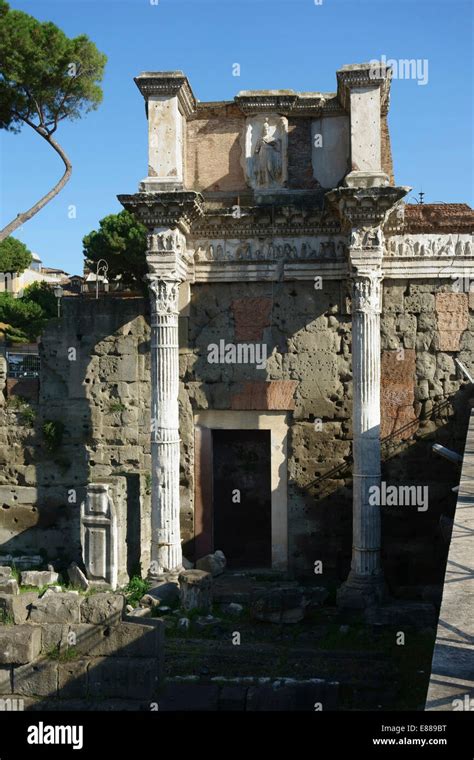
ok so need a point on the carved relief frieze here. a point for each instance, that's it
(255, 249)
(412, 246)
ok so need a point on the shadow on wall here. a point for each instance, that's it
(415, 539)
(92, 425)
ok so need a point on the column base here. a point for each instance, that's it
(361, 591)
(170, 576)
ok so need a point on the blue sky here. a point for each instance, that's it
(295, 44)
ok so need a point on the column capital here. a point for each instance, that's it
(370, 207)
(164, 294)
(367, 290)
(175, 209)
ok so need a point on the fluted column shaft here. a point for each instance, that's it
(364, 585)
(165, 555)
(366, 421)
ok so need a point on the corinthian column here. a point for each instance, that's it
(364, 585)
(165, 248)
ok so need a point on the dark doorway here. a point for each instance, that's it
(242, 496)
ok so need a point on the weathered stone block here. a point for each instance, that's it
(18, 606)
(9, 586)
(19, 644)
(283, 605)
(72, 679)
(196, 590)
(272, 395)
(57, 608)
(77, 577)
(38, 577)
(163, 593)
(419, 302)
(36, 679)
(5, 679)
(122, 677)
(212, 563)
(5, 572)
(102, 608)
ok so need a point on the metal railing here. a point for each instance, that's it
(23, 365)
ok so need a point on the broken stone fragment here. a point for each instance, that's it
(5, 572)
(283, 605)
(212, 563)
(195, 590)
(77, 577)
(233, 609)
(38, 577)
(164, 593)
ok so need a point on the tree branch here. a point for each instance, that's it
(26, 215)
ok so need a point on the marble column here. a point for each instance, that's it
(165, 555)
(364, 585)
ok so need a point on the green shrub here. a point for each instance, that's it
(53, 434)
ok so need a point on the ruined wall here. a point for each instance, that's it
(94, 395)
(102, 399)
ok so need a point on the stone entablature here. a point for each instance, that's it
(328, 248)
(430, 245)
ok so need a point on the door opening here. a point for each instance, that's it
(242, 496)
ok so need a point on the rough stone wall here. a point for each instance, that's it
(95, 384)
(102, 399)
(424, 400)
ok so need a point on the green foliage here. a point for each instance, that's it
(14, 255)
(117, 406)
(62, 654)
(41, 293)
(45, 77)
(21, 405)
(6, 618)
(135, 589)
(121, 241)
(25, 317)
(53, 431)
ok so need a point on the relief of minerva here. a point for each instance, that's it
(267, 158)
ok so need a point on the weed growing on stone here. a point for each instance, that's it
(62, 655)
(6, 618)
(117, 406)
(135, 589)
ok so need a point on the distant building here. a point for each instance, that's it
(16, 283)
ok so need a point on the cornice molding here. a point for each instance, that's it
(162, 83)
(358, 75)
